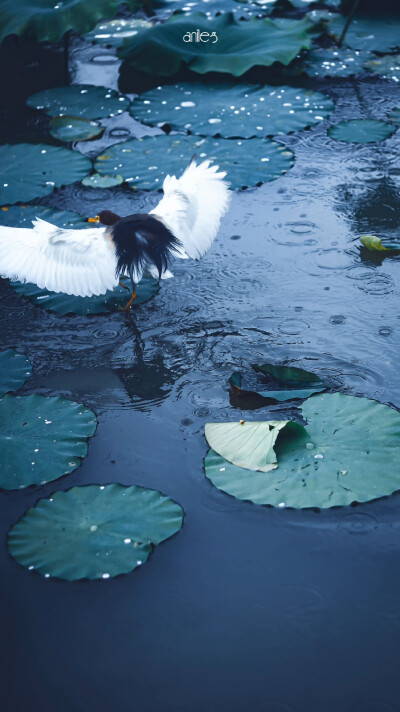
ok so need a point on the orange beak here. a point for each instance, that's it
(94, 220)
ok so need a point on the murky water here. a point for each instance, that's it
(248, 608)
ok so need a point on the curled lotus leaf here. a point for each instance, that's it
(374, 243)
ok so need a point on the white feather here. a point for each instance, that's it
(192, 207)
(79, 262)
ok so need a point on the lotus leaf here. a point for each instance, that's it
(104, 304)
(387, 66)
(80, 100)
(348, 452)
(248, 445)
(395, 116)
(93, 532)
(145, 162)
(98, 181)
(15, 369)
(371, 242)
(71, 128)
(231, 111)
(30, 171)
(286, 374)
(114, 32)
(294, 393)
(361, 131)
(22, 216)
(41, 439)
(334, 62)
(48, 20)
(160, 50)
(379, 33)
(240, 8)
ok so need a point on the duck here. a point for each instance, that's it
(90, 261)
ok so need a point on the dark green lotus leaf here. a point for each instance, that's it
(231, 110)
(239, 8)
(380, 33)
(350, 453)
(73, 128)
(287, 374)
(114, 32)
(387, 66)
(334, 62)
(161, 50)
(98, 181)
(41, 439)
(395, 116)
(371, 242)
(22, 216)
(80, 100)
(29, 171)
(145, 162)
(15, 369)
(93, 532)
(361, 131)
(294, 393)
(104, 304)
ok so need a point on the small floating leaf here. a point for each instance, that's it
(103, 304)
(93, 532)
(41, 439)
(22, 216)
(145, 162)
(98, 181)
(29, 171)
(231, 110)
(371, 242)
(387, 66)
(80, 100)
(347, 452)
(361, 131)
(72, 128)
(15, 369)
(248, 445)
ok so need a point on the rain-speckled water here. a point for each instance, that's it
(247, 609)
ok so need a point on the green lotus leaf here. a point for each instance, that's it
(30, 171)
(80, 100)
(161, 50)
(93, 532)
(282, 395)
(395, 116)
(231, 111)
(239, 8)
(104, 304)
(248, 445)
(145, 162)
(98, 181)
(22, 216)
(379, 33)
(15, 369)
(371, 242)
(387, 66)
(334, 62)
(348, 452)
(361, 131)
(48, 20)
(286, 374)
(41, 439)
(114, 32)
(72, 128)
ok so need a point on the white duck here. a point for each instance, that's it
(89, 262)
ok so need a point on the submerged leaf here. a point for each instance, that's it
(80, 100)
(98, 181)
(361, 131)
(72, 128)
(295, 393)
(15, 369)
(41, 439)
(93, 532)
(348, 452)
(286, 374)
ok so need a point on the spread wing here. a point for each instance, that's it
(79, 262)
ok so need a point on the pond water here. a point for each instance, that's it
(248, 608)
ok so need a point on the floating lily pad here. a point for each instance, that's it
(231, 111)
(48, 20)
(15, 369)
(361, 131)
(334, 62)
(248, 445)
(114, 32)
(29, 171)
(294, 393)
(380, 33)
(71, 128)
(348, 452)
(93, 532)
(162, 49)
(371, 242)
(22, 216)
(104, 304)
(98, 181)
(145, 162)
(41, 439)
(80, 100)
(395, 116)
(387, 66)
(239, 8)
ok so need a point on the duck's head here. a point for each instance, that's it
(106, 217)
